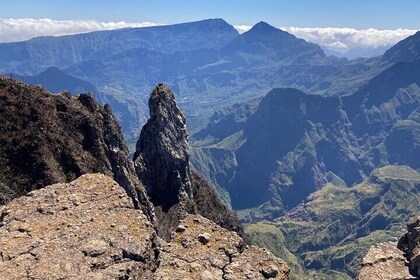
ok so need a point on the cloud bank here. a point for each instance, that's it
(13, 30)
(346, 40)
(343, 39)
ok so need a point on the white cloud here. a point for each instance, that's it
(343, 40)
(242, 28)
(12, 30)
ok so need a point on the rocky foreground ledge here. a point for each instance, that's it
(392, 261)
(89, 229)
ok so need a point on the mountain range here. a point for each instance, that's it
(205, 63)
(318, 155)
(276, 157)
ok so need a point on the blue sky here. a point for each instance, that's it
(359, 14)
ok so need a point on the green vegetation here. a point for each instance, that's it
(333, 229)
(268, 236)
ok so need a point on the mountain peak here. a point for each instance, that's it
(162, 163)
(161, 94)
(265, 40)
(405, 50)
(162, 152)
(263, 26)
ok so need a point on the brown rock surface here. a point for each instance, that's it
(221, 256)
(86, 229)
(89, 229)
(384, 262)
(410, 244)
(162, 164)
(47, 139)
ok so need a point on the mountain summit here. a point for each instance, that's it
(161, 157)
(263, 38)
(162, 163)
(405, 50)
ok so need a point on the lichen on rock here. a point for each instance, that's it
(86, 229)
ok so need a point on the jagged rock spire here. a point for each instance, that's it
(162, 152)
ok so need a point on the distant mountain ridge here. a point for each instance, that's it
(206, 63)
(275, 43)
(405, 50)
(298, 140)
(56, 80)
(35, 55)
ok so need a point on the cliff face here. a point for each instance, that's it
(410, 244)
(162, 164)
(272, 157)
(162, 152)
(47, 139)
(390, 261)
(90, 229)
(384, 262)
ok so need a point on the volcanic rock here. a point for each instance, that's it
(47, 139)
(87, 229)
(162, 164)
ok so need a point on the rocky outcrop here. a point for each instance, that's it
(162, 164)
(162, 152)
(199, 249)
(384, 262)
(90, 229)
(390, 261)
(86, 229)
(410, 244)
(47, 139)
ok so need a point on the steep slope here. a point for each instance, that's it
(291, 140)
(264, 42)
(335, 226)
(47, 139)
(36, 55)
(90, 229)
(55, 81)
(126, 109)
(293, 143)
(206, 63)
(88, 226)
(162, 164)
(405, 50)
(410, 245)
(387, 261)
(122, 64)
(162, 152)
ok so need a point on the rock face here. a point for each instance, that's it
(199, 249)
(405, 50)
(162, 164)
(394, 261)
(47, 139)
(272, 157)
(90, 229)
(384, 262)
(86, 229)
(162, 152)
(335, 226)
(410, 244)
